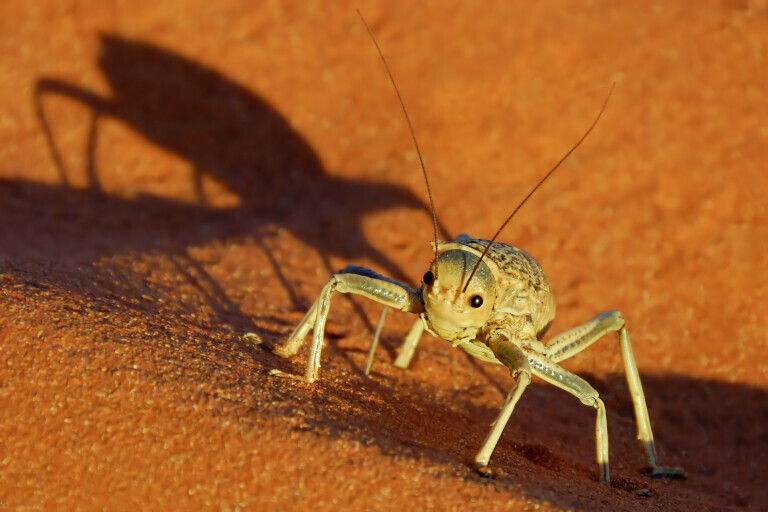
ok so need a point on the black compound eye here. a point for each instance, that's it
(476, 301)
(429, 278)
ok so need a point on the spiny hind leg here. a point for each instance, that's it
(579, 338)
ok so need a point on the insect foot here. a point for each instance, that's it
(484, 471)
(655, 471)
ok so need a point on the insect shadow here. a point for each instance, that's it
(228, 134)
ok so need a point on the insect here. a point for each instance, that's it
(493, 301)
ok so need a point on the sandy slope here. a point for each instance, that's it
(173, 177)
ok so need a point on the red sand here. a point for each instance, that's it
(206, 167)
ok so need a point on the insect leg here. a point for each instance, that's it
(579, 338)
(546, 369)
(375, 343)
(352, 279)
(514, 359)
(296, 338)
(405, 353)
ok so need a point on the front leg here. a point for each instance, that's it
(509, 354)
(352, 279)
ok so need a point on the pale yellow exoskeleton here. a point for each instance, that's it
(493, 301)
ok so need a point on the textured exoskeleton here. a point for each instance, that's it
(498, 315)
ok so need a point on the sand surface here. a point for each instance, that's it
(174, 175)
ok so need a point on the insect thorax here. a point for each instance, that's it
(524, 289)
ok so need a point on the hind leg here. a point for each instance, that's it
(577, 339)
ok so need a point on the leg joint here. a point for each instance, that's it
(611, 318)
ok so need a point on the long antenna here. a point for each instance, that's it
(594, 123)
(410, 127)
